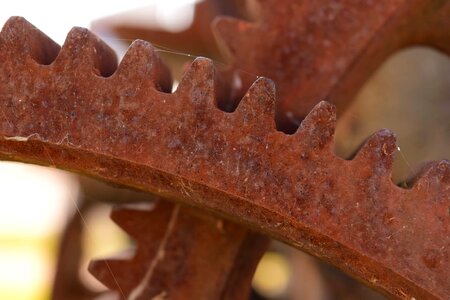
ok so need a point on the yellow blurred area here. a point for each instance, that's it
(272, 275)
(102, 238)
(26, 267)
(35, 204)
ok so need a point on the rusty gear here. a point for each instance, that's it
(325, 50)
(182, 254)
(70, 108)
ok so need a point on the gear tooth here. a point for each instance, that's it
(18, 30)
(142, 64)
(84, 51)
(433, 176)
(317, 129)
(21, 38)
(200, 72)
(129, 266)
(258, 104)
(110, 271)
(125, 219)
(15, 22)
(199, 82)
(132, 218)
(378, 151)
(228, 32)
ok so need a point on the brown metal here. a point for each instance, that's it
(325, 50)
(59, 109)
(197, 39)
(181, 254)
(67, 283)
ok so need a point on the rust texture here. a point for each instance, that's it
(235, 285)
(72, 109)
(325, 50)
(182, 254)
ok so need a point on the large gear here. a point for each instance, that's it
(71, 108)
(325, 50)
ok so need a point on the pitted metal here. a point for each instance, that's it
(72, 109)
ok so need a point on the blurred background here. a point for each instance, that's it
(409, 94)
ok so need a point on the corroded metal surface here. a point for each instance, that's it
(78, 113)
(181, 254)
(325, 50)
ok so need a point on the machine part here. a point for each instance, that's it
(325, 50)
(182, 254)
(72, 109)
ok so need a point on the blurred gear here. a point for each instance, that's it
(181, 252)
(325, 50)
